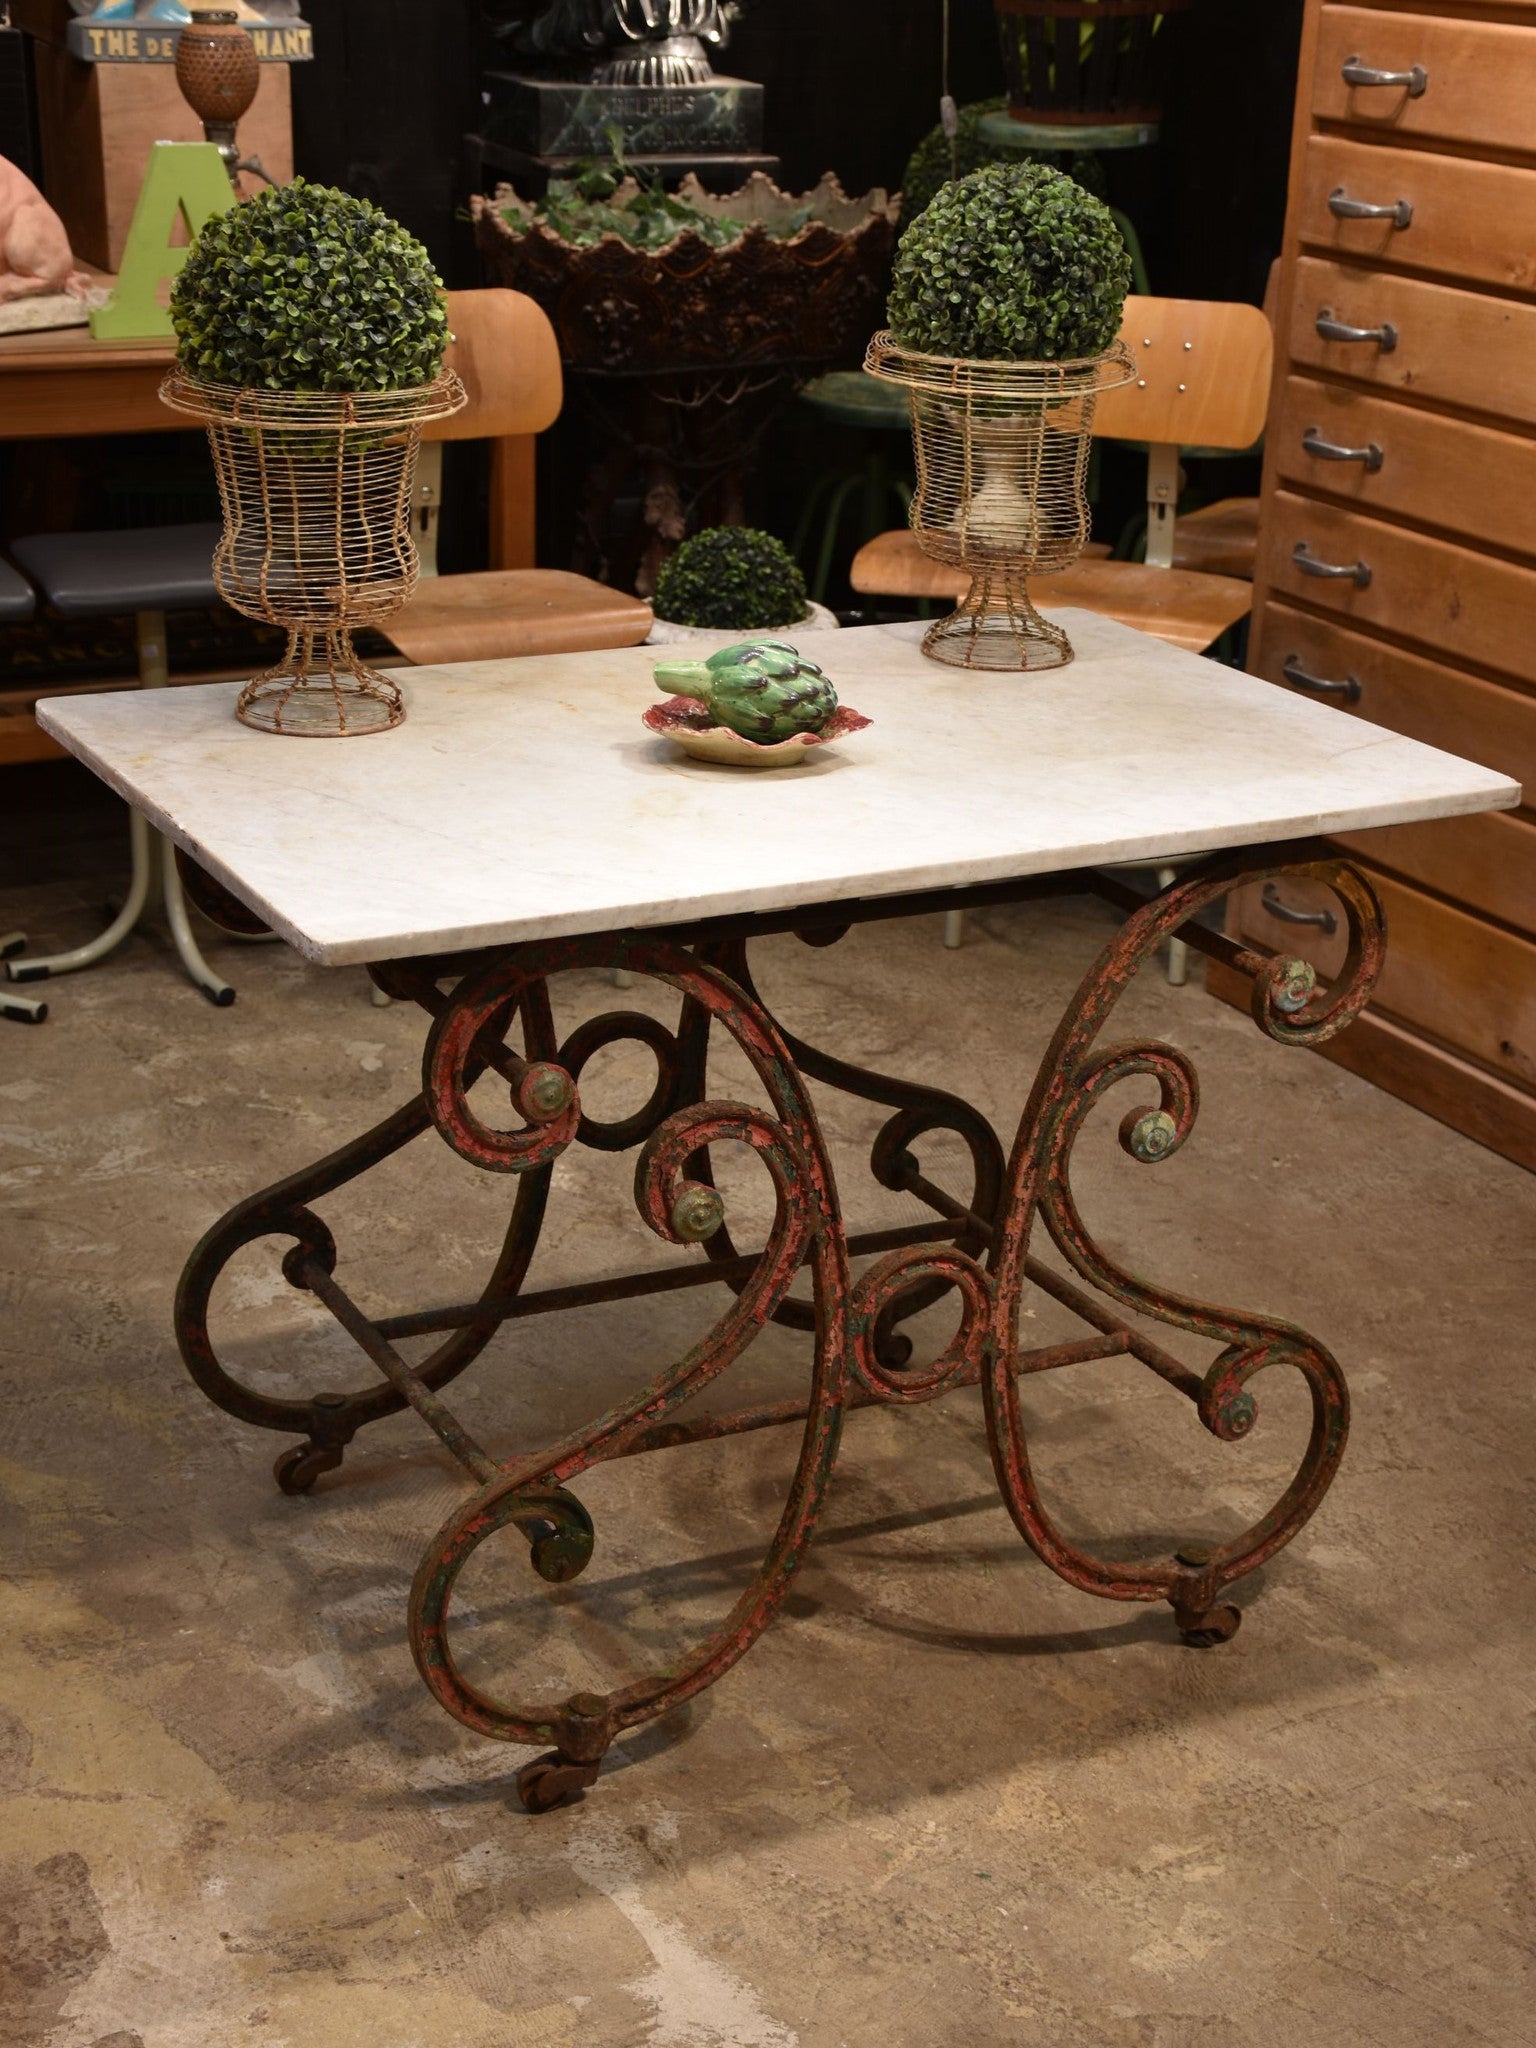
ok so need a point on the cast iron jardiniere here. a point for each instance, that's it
(1005, 312)
(685, 350)
(311, 330)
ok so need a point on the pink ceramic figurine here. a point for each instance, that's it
(34, 249)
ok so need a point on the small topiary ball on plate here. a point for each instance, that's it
(308, 289)
(732, 577)
(1014, 263)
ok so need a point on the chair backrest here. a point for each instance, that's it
(505, 351)
(1202, 370)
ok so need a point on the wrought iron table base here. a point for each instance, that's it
(978, 1246)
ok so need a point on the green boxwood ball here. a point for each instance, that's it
(1014, 263)
(731, 577)
(308, 289)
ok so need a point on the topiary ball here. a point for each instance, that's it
(1014, 263)
(732, 577)
(308, 289)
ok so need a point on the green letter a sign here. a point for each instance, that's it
(186, 181)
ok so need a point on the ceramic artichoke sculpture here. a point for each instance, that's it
(763, 689)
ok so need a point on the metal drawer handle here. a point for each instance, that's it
(1343, 572)
(1354, 72)
(1330, 451)
(1320, 686)
(1384, 336)
(1398, 211)
(1324, 920)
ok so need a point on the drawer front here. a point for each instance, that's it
(1459, 346)
(1466, 219)
(1479, 83)
(1447, 973)
(1444, 708)
(1394, 458)
(1472, 606)
(1487, 862)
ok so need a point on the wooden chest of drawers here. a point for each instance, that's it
(1397, 564)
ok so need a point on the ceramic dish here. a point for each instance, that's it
(685, 720)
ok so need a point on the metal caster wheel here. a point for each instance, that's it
(549, 1781)
(1216, 1625)
(297, 1469)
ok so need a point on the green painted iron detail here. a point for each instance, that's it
(1153, 1136)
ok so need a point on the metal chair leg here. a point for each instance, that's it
(218, 992)
(108, 941)
(20, 1009)
(1178, 952)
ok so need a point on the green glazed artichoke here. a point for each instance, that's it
(762, 689)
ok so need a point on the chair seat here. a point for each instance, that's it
(1220, 539)
(1178, 605)
(151, 569)
(894, 565)
(18, 600)
(505, 612)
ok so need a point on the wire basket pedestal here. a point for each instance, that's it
(316, 489)
(1001, 452)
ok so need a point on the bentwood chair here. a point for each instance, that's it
(506, 354)
(1202, 381)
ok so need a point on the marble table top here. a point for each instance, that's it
(524, 799)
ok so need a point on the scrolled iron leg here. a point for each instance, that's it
(532, 1494)
(1074, 1078)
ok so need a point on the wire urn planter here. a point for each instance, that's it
(316, 489)
(1001, 452)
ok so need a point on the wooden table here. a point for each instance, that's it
(523, 824)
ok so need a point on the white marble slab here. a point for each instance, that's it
(525, 799)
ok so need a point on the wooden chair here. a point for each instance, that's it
(505, 352)
(1203, 373)
(1224, 538)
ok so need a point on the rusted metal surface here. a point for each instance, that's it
(979, 1247)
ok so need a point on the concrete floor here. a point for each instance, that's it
(947, 1800)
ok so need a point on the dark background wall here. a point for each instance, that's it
(383, 109)
(850, 86)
